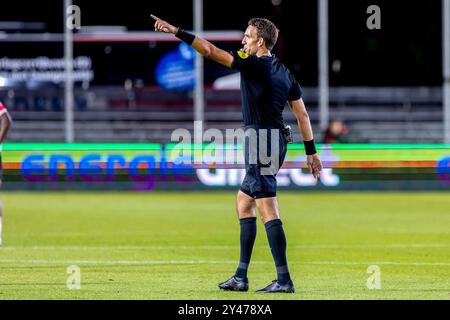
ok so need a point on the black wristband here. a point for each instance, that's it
(185, 36)
(310, 147)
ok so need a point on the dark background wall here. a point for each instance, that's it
(405, 52)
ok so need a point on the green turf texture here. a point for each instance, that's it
(180, 245)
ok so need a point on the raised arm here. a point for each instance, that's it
(202, 46)
(304, 125)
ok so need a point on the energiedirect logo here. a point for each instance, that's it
(261, 146)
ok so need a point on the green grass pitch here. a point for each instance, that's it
(180, 245)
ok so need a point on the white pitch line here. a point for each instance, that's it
(124, 262)
(193, 262)
(379, 263)
(216, 247)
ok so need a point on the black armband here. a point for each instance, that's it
(185, 36)
(310, 147)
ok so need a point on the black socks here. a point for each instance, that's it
(277, 242)
(248, 236)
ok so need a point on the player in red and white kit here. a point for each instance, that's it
(5, 122)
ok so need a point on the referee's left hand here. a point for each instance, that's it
(314, 165)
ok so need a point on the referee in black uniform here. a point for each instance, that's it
(266, 86)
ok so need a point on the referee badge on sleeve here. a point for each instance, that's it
(242, 54)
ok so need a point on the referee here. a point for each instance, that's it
(266, 86)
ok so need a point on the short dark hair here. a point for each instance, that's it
(266, 29)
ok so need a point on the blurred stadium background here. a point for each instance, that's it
(385, 84)
(131, 87)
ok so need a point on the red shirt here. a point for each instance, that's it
(2, 109)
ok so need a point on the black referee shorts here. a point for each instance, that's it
(260, 173)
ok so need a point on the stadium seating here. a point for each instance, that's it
(113, 114)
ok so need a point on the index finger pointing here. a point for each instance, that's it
(154, 17)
